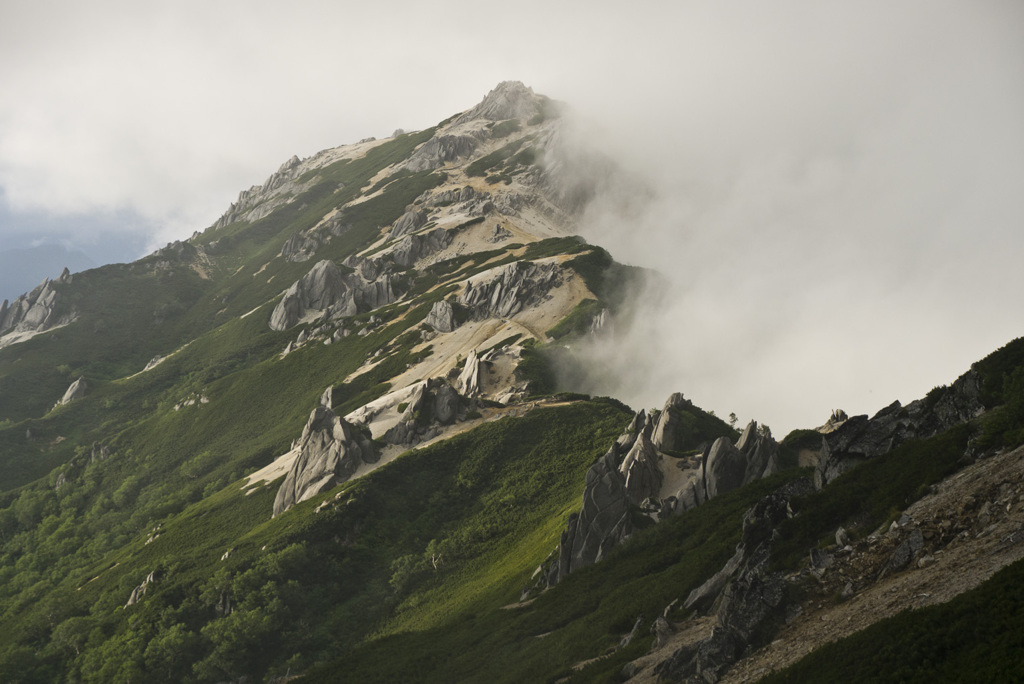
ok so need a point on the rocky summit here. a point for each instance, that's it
(341, 434)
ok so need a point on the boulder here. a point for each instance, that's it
(442, 317)
(446, 404)
(408, 222)
(468, 382)
(412, 248)
(318, 289)
(641, 470)
(76, 390)
(330, 451)
(665, 430)
(439, 150)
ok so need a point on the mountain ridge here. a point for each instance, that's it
(334, 434)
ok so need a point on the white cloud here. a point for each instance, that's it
(841, 182)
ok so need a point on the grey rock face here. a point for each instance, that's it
(318, 289)
(724, 468)
(330, 451)
(140, 591)
(665, 431)
(459, 195)
(300, 247)
(509, 100)
(325, 289)
(38, 310)
(435, 403)
(412, 248)
(603, 522)
(851, 441)
(442, 317)
(510, 289)
(641, 471)
(408, 222)
(76, 390)
(439, 150)
(626, 475)
(259, 200)
(468, 383)
(750, 598)
(631, 475)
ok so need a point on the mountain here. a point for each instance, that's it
(337, 435)
(24, 268)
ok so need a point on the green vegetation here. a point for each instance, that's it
(583, 617)
(504, 129)
(870, 494)
(976, 637)
(479, 510)
(481, 166)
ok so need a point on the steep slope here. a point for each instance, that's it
(326, 436)
(405, 287)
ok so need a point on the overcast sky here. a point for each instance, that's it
(840, 186)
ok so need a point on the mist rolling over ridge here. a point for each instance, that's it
(836, 227)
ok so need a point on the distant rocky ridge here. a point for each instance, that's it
(37, 311)
(847, 442)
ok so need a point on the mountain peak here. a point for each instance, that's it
(508, 100)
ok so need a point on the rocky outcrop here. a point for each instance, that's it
(669, 433)
(499, 234)
(641, 470)
(259, 200)
(602, 523)
(455, 196)
(748, 598)
(505, 291)
(408, 222)
(468, 382)
(848, 441)
(38, 310)
(625, 476)
(725, 466)
(629, 480)
(432, 405)
(318, 289)
(76, 390)
(412, 248)
(329, 452)
(442, 317)
(509, 100)
(299, 248)
(325, 289)
(440, 150)
(140, 591)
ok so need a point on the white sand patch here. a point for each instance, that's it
(675, 478)
(249, 313)
(450, 348)
(23, 335)
(380, 415)
(279, 467)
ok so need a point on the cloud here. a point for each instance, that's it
(836, 211)
(839, 184)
